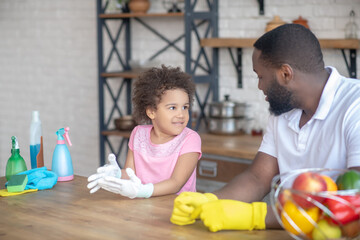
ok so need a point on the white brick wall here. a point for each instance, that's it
(48, 62)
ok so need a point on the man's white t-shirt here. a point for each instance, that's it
(330, 139)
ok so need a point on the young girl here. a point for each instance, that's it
(162, 157)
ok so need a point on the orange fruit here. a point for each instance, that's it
(293, 217)
(331, 185)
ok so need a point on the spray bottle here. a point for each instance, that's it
(16, 163)
(36, 142)
(61, 160)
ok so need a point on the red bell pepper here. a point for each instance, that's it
(344, 208)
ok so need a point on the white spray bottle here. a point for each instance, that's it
(61, 160)
(36, 142)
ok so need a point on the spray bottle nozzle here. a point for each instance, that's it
(14, 143)
(64, 133)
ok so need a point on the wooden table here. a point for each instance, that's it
(68, 211)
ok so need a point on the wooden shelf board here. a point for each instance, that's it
(248, 42)
(227, 42)
(340, 43)
(125, 74)
(132, 15)
(125, 134)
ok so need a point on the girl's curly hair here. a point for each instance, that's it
(152, 84)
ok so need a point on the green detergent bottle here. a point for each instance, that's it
(16, 162)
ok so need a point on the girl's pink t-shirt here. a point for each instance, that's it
(156, 162)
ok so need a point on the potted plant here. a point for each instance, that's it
(122, 5)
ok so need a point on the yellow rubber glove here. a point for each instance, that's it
(233, 215)
(187, 207)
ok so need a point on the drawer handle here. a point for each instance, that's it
(207, 168)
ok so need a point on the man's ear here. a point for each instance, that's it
(285, 74)
(150, 112)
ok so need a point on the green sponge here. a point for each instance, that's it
(17, 183)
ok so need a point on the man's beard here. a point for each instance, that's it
(280, 99)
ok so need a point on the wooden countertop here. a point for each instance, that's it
(69, 211)
(236, 146)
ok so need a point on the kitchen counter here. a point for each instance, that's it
(224, 157)
(235, 146)
(68, 211)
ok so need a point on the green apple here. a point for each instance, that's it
(324, 231)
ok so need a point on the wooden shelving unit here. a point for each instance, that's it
(117, 28)
(239, 43)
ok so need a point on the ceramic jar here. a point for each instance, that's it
(301, 21)
(139, 6)
(274, 23)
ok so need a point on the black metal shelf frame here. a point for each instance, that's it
(350, 62)
(205, 62)
(237, 63)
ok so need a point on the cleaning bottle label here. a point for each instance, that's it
(36, 142)
(34, 151)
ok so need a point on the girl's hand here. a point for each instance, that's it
(111, 169)
(129, 188)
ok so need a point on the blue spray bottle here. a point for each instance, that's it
(61, 161)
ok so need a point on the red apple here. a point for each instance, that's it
(308, 184)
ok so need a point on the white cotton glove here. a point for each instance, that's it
(111, 169)
(129, 188)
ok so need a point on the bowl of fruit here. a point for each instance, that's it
(318, 203)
